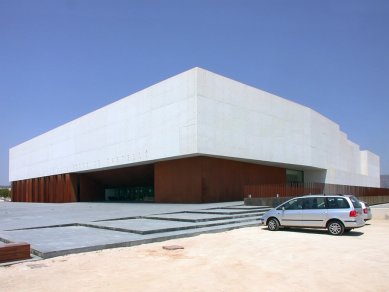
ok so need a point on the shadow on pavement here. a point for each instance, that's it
(314, 231)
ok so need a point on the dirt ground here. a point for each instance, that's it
(248, 259)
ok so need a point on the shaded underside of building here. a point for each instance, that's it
(187, 180)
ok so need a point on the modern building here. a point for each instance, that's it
(384, 180)
(195, 137)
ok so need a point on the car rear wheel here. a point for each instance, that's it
(335, 227)
(273, 224)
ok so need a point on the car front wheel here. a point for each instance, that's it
(335, 228)
(273, 224)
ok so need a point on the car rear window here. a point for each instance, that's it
(337, 203)
(355, 202)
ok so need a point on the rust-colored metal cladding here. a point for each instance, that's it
(50, 189)
(198, 179)
(208, 179)
(178, 181)
(271, 191)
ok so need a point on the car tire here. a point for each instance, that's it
(273, 224)
(335, 227)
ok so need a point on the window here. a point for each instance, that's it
(294, 176)
(337, 203)
(314, 203)
(355, 202)
(296, 204)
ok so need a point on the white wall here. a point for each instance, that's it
(236, 120)
(155, 123)
(199, 112)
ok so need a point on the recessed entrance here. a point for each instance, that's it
(134, 194)
(122, 184)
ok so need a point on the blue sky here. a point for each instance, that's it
(62, 59)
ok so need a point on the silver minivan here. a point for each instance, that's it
(337, 213)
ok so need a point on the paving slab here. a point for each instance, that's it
(59, 229)
(143, 226)
(14, 215)
(149, 226)
(54, 241)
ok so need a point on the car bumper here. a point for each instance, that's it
(354, 223)
(367, 217)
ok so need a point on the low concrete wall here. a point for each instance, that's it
(272, 201)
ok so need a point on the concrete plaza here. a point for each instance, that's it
(60, 229)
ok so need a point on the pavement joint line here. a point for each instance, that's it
(5, 240)
(187, 220)
(118, 219)
(42, 227)
(230, 216)
(119, 229)
(135, 217)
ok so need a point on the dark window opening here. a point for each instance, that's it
(294, 176)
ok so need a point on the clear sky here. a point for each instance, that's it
(62, 59)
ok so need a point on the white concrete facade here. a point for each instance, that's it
(199, 113)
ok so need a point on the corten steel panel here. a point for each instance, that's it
(178, 181)
(224, 180)
(53, 189)
(206, 179)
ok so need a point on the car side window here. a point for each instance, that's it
(296, 204)
(337, 203)
(314, 203)
(321, 203)
(308, 203)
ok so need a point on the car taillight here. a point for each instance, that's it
(365, 210)
(353, 213)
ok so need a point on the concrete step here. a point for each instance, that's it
(194, 216)
(174, 228)
(227, 211)
(149, 238)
